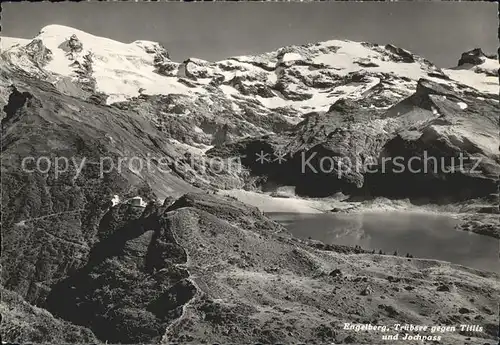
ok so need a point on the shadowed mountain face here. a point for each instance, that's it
(445, 141)
(96, 247)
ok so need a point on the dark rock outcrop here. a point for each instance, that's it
(403, 54)
(84, 72)
(194, 69)
(75, 44)
(38, 52)
(474, 57)
(17, 100)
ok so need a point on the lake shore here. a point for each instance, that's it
(480, 223)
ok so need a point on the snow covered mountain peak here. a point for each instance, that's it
(55, 34)
(310, 74)
(118, 69)
(291, 81)
(478, 70)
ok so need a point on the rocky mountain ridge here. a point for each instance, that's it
(253, 95)
(436, 121)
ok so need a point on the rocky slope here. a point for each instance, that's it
(57, 197)
(81, 261)
(23, 323)
(205, 268)
(343, 149)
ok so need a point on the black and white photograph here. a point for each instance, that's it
(250, 172)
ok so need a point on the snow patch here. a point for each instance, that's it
(9, 42)
(291, 57)
(475, 80)
(116, 200)
(198, 151)
(462, 105)
(267, 203)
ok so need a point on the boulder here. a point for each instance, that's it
(474, 57)
(402, 54)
